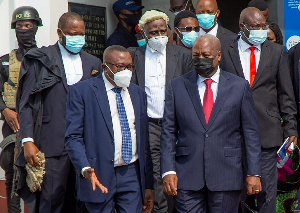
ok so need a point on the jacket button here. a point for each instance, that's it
(206, 135)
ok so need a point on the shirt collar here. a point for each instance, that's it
(215, 77)
(244, 45)
(213, 31)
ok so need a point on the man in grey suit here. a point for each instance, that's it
(265, 65)
(156, 64)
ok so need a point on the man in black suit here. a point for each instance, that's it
(45, 76)
(207, 12)
(265, 65)
(294, 56)
(156, 64)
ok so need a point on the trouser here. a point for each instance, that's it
(7, 164)
(206, 201)
(265, 201)
(162, 202)
(124, 193)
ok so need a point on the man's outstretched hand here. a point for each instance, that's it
(90, 174)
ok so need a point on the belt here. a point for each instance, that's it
(156, 121)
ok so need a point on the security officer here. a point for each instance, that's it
(25, 21)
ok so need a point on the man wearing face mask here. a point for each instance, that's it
(177, 6)
(207, 12)
(45, 76)
(207, 113)
(128, 15)
(107, 138)
(186, 28)
(157, 63)
(266, 67)
(25, 28)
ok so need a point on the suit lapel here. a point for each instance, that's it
(140, 66)
(61, 67)
(170, 63)
(223, 90)
(102, 100)
(86, 71)
(235, 57)
(265, 51)
(192, 88)
(136, 107)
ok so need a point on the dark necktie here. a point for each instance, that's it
(208, 100)
(252, 65)
(126, 135)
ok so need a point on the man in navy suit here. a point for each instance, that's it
(208, 112)
(107, 138)
(45, 76)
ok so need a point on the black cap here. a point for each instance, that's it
(126, 5)
(25, 13)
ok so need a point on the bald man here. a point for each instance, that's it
(207, 12)
(265, 65)
(207, 114)
(45, 77)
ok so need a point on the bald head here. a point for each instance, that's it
(210, 41)
(251, 14)
(205, 5)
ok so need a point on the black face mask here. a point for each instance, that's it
(132, 19)
(204, 66)
(26, 38)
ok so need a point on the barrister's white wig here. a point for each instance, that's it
(152, 15)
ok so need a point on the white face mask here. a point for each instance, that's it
(158, 43)
(121, 78)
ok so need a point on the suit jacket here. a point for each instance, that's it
(294, 56)
(54, 98)
(225, 36)
(179, 61)
(209, 154)
(272, 91)
(90, 139)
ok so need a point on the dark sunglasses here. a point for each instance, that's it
(189, 29)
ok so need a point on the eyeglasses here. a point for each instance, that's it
(257, 27)
(178, 9)
(122, 67)
(189, 29)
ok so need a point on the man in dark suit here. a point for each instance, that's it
(265, 65)
(207, 12)
(294, 56)
(207, 114)
(157, 63)
(45, 76)
(107, 138)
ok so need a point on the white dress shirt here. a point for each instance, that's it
(244, 53)
(213, 31)
(155, 82)
(73, 71)
(72, 64)
(116, 122)
(201, 89)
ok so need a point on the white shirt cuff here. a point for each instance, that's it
(84, 168)
(24, 140)
(168, 173)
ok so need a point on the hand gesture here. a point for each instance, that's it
(90, 174)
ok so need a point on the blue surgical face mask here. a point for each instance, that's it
(74, 43)
(176, 13)
(206, 21)
(141, 42)
(189, 38)
(256, 37)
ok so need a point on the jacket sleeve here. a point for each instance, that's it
(169, 133)
(286, 96)
(74, 129)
